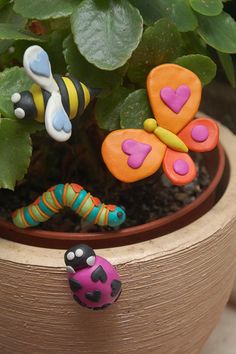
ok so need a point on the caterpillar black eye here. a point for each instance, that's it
(119, 214)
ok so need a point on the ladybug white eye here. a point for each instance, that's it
(70, 256)
(79, 252)
(91, 260)
(70, 269)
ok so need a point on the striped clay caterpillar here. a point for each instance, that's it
(68, 195)
(52, 99)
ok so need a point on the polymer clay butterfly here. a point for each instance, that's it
(133, 154)
(54, 99)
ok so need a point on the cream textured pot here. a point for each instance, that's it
(174, 290)
(233, 294)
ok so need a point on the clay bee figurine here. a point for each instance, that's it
(94, 282)
(52, 99)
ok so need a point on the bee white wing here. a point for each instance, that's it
(37, 65)
(57, 122)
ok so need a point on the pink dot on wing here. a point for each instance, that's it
(181, 167)
(200, 133)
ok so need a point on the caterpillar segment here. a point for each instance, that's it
(73, 196)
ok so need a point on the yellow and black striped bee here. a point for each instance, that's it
(54, 99)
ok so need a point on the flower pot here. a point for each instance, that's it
(215, 163)
(174, 287)
(233, 294)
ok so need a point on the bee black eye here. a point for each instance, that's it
(119, 215)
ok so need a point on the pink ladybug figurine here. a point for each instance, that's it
(94, 282)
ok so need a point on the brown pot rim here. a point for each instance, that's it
(114, 238)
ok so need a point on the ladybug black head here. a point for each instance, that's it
(79, 257)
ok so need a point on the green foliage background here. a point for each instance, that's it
(107, 44)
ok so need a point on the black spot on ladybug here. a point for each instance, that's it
(99, 274)
(74, 285)
(115, 286)
(94, 296)
(88, 307)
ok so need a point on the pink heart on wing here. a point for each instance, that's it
(175, 100)
(137, 152)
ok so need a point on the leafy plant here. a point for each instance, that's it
(110, 45)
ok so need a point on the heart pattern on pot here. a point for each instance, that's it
(175, 99)
(137, 152)
(40, 65)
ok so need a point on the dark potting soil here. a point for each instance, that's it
(143, 201)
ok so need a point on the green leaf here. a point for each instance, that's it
(178, 11)
(228, 66)
(149, 10)
(193, 44)
(8, 16)
(3, 3)
(106, 31)
(16, 150)
(207, 7)
(161, 43)
(108, 109)
(92, 76)
(54, 47)
(135, 110)
(45, 9)
(30, 126)
(10, 31)
(11, 81)
(219, 32)
(4, 45)
(201, 65)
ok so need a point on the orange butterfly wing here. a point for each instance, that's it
(174, 93)
(201, 135)
(132, 154)
(179, 167)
